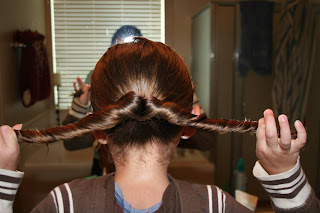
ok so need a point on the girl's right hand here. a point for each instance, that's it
(9, 147)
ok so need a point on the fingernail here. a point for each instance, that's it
(268, 112)
(298, 123)
(283, 118)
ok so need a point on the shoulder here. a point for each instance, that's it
(82, 193)
(82, 185)
(202, 191)
(195, 196)
(208, 198)
(212, 195)
(220, 200)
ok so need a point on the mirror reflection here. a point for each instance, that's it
(243, 57)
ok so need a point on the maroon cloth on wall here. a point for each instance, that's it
(34, 70)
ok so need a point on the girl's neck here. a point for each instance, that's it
(147, 171)
(142, 178)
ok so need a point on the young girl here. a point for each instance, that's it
(141, 95)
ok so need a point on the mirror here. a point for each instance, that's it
(233, 96)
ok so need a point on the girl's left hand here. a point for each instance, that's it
(278, 155)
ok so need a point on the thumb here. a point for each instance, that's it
(9, 136)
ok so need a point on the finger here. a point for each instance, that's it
(85, 97)
(9, 136)
(81, 83)
(2, 141)
(75, 86)
(17, 127)
(301, 137)
(86, 89)
(261, 137)
(271, 129)
(261, 131)
(285, 132)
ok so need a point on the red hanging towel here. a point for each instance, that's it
(34, 70)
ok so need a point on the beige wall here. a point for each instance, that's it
(178, 25)
(20, 15)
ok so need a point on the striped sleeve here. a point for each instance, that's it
(9, 184)
(77, 109)
(289, 191)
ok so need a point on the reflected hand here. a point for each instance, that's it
(9, 147)
(84, 90)
(278, 155)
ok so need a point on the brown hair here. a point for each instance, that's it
(140, 91)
